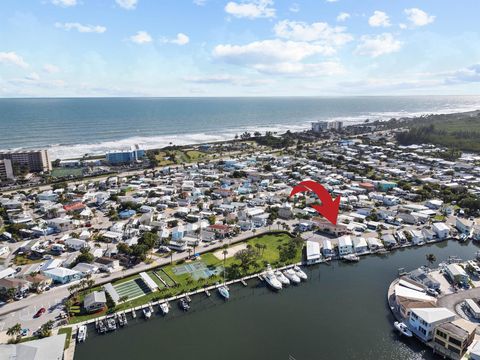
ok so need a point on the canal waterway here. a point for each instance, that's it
(339, 313)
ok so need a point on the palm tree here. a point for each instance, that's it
(123, 298)
(430, 258)
(15, 330)
(278, 224)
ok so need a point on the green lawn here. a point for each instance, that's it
(68, 332)
(185, 283)
(64, 172)
(23, 260)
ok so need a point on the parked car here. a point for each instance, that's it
(39, 312)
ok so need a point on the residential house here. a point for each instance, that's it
(464, 226)
(327, 249)
(312, 253)
(441, 230)
(423, 321)
(95, 301)
(76, 244)
(456, 274)
(453, 338)
(360, 245)
(107, 264)
(345, 245)
(62, 275)
(38, 282)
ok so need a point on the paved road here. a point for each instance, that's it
(449, 301)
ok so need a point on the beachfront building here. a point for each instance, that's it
(453, 338)
(125, 157)
(327, 249)
(31, 160)
(6, 170)
(423, 321)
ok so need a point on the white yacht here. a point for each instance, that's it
(272, 280)
(400, 326)
(147, 313)
(164, 307)
(291, 275)
(282, 278)
(82, 333)
(300, 273)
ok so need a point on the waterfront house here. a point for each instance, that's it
(422, 277)
(345, 245)
(453, 338)
(389, 240)
(464, 225)
(360, 245)
(423, 321)
(456, 274)
(327, 249)
(374, 243)
(441, 230)
(95, 301)
(312, 253)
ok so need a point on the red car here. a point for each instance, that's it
(39, 312)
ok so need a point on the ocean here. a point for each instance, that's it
(72, 127)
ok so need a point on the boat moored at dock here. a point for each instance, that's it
(351, 258)
(183, 304)
(164, 307)
(282, 278)
(82, 333)
(272, 280)
(292, 276)
(147, 314)
(224, 292)
(402, 328)
(300, 273)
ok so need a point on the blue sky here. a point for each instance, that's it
(238, 48)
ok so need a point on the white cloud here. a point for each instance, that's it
(322, 32)
(226, 79)
(378, 45)
(81, 28)
(51, 69)
(343, 16)
(141, 37)
(13, 59)
(32, 76)
(269, 52)
(327, 68)
(294, 8)
(180, 39)
(200, 2)
(251, 9)
(127, 4)
(419, 17)
(466, 75)
(402, 26)
(64, 3)
(379, 18)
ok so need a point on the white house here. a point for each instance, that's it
(312, 253)
(360, 245)
(345, 245)
(417, 237)
(441, 230)
(76, 244)
(423, 321)
(327, 248)
(464, 225)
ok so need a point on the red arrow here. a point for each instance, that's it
(329, 207)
